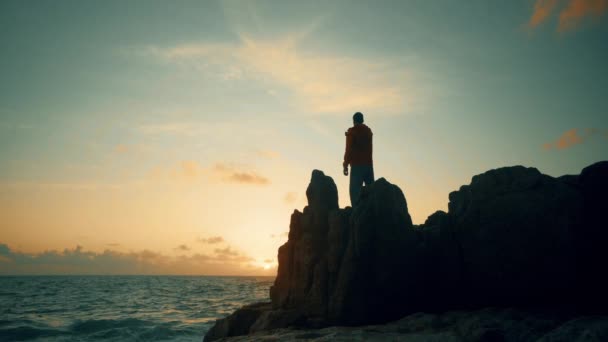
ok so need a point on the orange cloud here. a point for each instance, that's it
(212, 240)
(572, 137)
(230, 174)
(226, 251)
(80, 261)
(576, 10)
(542, 9)
(571, 12)
(183, 248)
(191, 171)
(568, 139)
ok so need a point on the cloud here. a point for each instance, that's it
(190, 171)
(566, 140)
(228, 254)
(186, 171)
(226, 251)
(322, 83)
(571, 12)
(182, 247)
(542, 9)
(212, 240)
(268, 154)
(572, 137)
(229, 173)
(290, 197)
(80, 261)
(576, 10)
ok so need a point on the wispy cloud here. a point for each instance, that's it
(542, 10)
(577, 10)
(182, 248)
(184, 171)
(192, 171)
(229, 254)
(290, 197)
(212, 240)
(573, 137)
(322, 83)
(229, 173)
(226, 251)
(80, 261)
(570, 12)
(268, 154)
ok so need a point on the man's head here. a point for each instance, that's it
(357, 118)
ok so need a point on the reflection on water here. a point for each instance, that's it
(151, 308)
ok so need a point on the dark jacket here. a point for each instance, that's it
(358, 146)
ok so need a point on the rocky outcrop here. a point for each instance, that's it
(513, 237)
(486, 325)
(238, 323)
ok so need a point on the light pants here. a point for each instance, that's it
(359, 174)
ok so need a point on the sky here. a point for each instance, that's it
(156, 137)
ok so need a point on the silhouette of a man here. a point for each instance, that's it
(358, 155)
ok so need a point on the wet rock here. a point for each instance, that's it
(238, 323)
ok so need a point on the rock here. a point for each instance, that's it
(592, 237)
(322, 193)
(512, 237)
(592, 329)
(238, 323)
(331, 267)
(487, 325)
(367, 289)
(274, 319)
(513, 227)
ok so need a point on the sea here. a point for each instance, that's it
(121, 308)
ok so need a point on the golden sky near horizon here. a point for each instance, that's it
(155, 139)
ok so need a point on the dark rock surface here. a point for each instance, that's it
(513, 237)
(486, 325)
(238, 323)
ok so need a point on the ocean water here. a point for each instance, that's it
(120, 308)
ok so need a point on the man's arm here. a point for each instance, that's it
(348, 150)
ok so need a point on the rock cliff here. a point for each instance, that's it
(512, 238)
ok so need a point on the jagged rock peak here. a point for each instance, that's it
(322, 193)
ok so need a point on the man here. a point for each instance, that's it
(358, 155)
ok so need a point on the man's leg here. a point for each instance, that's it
(356, 181)
(369, 175)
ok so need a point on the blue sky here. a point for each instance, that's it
(181, 121)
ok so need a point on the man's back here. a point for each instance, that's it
(359, 145)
